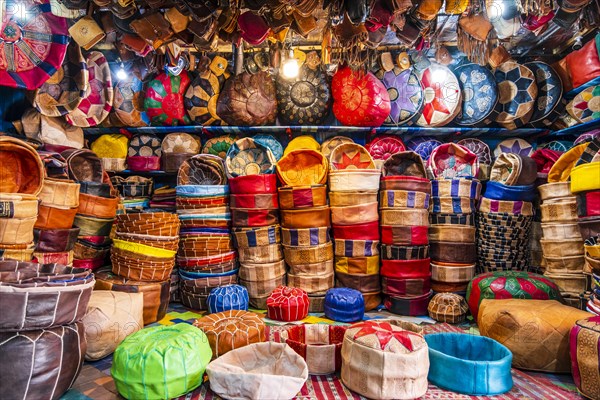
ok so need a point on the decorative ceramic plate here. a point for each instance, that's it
(219, 146)
(549, 104)
(479, 94)
(145, 144)
(247, 157)
(329, 144)
(65, 89)
(33, 43)
(351, 156)
(423, 146)
(518, 91)
(585, 106)
(129, 102)
(164, 99)
(406, 96)
(480, 148)
(514, 145)
(272, 143)
(442, 96)
(382, 147)
(96, 104)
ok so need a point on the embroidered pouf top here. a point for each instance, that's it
(231, 329)
(469, 364)
(228, 297)
(510, 285)
(287, 304)
(161, 362)
(344, 305)
(381, 360)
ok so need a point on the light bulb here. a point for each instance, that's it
(291, 68)
(121, 74)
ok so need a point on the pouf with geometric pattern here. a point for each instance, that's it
(585, 356)
(161, 362)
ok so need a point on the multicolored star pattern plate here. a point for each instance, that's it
(585, 106)
(442, 96)
(518, 92)
(406, 96)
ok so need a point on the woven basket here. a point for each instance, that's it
(564, 265)
(344, 199)
(560, 231)
(309, 254)
(15, 205)
(163, 242)
(311, 283)
(305, 237)
(261, 271)
(562, 248)
(312, 269)
(59, 193)
(569, 283)
(404, 217)
(452, 233)
(16, 230)
(263, 254)
(359, 214)
(564, 210)
(554, 190)
(306, 218)
(503, 206)
(253, 237)
(354, 180)
(141, 273)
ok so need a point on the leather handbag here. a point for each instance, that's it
(343, 199)
(306, 218)
(153, 28)
(255, 237)
(298, 106)
(248, 100)
(302, 196)
(349, 215)
(305, 237)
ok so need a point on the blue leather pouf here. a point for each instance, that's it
(228, 297)
(344, 305)
(469, 364)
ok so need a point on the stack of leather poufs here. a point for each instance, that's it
(206, 258)
(144, 153)
(585, 184)
(353, 185)
(455, 192)
(21, 183)
(305, 223)
(143, 257)
(404, 203)
(135, 191)
(42, 341)
(584, 340)
(96, 211)
(176, 149)
(254, 208)
(562, 245)
(505, 215)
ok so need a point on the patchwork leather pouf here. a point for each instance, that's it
(287, 304)
(228, 297)
(584, 345)
(448, 307)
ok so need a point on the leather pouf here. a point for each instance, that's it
(231, 329)
(536, 331)
(287, 304)
(304, 100)
(448, 307)
(228, 297)
(164, 99)
(110, 318)
(509, 285)
(585, 359)
(384, 361)
(359, 99)
(41, 364)
(161, 362)
(344, 305)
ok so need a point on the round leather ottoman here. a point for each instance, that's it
(41, 364)
(231, 329)
(287, 304)
(228, 297)
(344, 305)
(161, 362)
(448, 307)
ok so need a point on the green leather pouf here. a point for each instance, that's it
(161, 362)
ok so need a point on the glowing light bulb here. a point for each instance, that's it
(121, 74)
(291, 68)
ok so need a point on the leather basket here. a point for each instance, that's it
(502, 206)
(356, 248)
(309, 254)
(565, 265)
(96, 206)
(589, 227)
(562, 248)
(55, 240)
(409, 183)
(59, 193)
(306, 218)
(454, 205)
(253, 184)
(89, 226)
(113, 164)
(403, 199)
(311, 283)
(25, 254)
(343, 199)
(563, 210)
(305, 237)
(23, 169)
(357, 265)
(262, 271)
(554, 190)
(16, 230)
(364, 283)
(143, 163)
(171, 162)
(63, 258)
(452, 233)
(404, 217)
(470, 188)
(560, 231)
(354, 180)
(18, 205)
(55, 217)
(254, 237)
(358, 214)
(302, 197)
(569, 283)
(450, 252)
(267, 201)
(404, 235)
(260, 289)
(264, 254)
(320, 268)
(455, 273)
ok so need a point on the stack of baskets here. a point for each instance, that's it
(41, 323)
(135, 191)
(206, 257)
(563, 244)
(354, 185)
(454, 194)
(305, 223)
(255, 217)
(404, 201)
(505, 215)
(20, 185)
